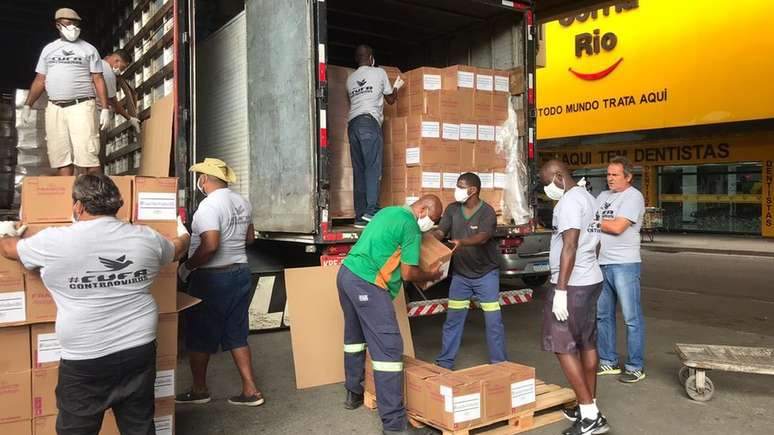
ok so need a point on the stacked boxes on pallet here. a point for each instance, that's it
(30, 360)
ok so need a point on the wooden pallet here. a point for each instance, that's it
(550, 401)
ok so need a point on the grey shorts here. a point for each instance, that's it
(579, 331)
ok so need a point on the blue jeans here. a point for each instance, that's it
(487, 290)
(622, 285)
(366, 149)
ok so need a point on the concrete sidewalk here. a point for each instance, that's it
(711, 244)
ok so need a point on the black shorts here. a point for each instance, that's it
(579, 331)
(123, 381)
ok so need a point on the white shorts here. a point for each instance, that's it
(72, 135)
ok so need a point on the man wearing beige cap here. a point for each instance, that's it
(217, 273)
(70, 71)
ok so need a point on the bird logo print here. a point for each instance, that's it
(119, 263)
(362, 83)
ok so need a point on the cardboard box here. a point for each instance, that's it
(47, 199)
(167, 229)
(495, 391)
(434, 255)
(423, 79)
(540, 56)
(44, 391)
(44, 346)
(499, 177)
(500, 106)
(484, 156)
(166, 335)
(398, 130)
(502, 81)
(493, 198)
(155, 199)
(125, 185)
(522, 380)
(47, 425)
(459, 77)
(11, 276)
(13, 307)
(165, 376)
(467, 103)
(468, 131)
(40, 305)
(23, 427)
(425, 177)
(424, 141)
(482, 104)
(397, 179)
(487, 179)
(164, 288)
(342, 204)
(487, 133)
(517, 83)
(408, 362)
(453, 401)
(415, 394)
(449, 177)
(15, 342)
(15, 396)
(484, 80)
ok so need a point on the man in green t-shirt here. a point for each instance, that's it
(386, 253)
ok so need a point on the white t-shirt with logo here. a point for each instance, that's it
(576, 210)
(367, 87)
(230, 214)
(99, 273)
(68, 67)
(625, 247)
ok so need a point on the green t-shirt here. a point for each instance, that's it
(391, 238)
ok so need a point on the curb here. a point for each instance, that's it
(677, 250)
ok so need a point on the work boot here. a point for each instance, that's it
(353, 401)
(411, 430)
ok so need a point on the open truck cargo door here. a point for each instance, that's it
(282, 120)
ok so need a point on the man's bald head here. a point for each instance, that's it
(429, 205)
(363, 55)
(557, 171)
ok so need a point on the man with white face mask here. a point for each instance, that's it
(470, 223)
(570, 311)
(112, 66)
(368, 281)
(70, 71)
(217, 273)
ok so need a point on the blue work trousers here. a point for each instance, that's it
(366, 149)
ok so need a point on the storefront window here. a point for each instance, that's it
(711, 198)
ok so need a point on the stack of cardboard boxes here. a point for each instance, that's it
(457, 400)
(30, 360)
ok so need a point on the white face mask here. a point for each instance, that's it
(70, 32)
(74, 217)
(117, 71)
(460, 194)
(425, 224)
(200, 186)
(553, 191)
(373, 62)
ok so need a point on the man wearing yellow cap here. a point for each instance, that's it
(217, 273)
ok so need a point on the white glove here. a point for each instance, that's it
(183, 271)
(26, 115)
(181, 229)
(135, 123)
(104, 119)
(8, 229)
(560, 305)
(398, 83)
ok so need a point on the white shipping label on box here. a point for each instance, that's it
(432, 82)
(412, 156)
(156, 206)
(484, 82)
(487, 180)
(522, 393)
(446, 392)
(499, 180)
(486, 132)
(165, 384)
(468, 132)
(502, 84)
(466, 79)
(431, 129)
(164, 425)
(431, 180)
(13, 307)
(467, 407)
(451, 131)
(49, 349)
(450, 180)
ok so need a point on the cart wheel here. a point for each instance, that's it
(693, 391)
(683, 374)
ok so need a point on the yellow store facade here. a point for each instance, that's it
(690, 104)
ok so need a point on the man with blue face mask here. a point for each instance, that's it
(471, 223)
(370, 278)
(70, 71)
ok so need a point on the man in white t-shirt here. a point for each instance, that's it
(569, 314)
(217, 273)
(70, 71)
(112, 66)
(621, 210)
(368, 88)
(99, 272)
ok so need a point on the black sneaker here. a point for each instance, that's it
(588, 426)
(607, 369)
(631, 377)
(193, 397)
(367, 217)
(242, 400)
(573, 414)
(353, 400)
(360, 223)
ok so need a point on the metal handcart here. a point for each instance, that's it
(697, 359)
(651, 222)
